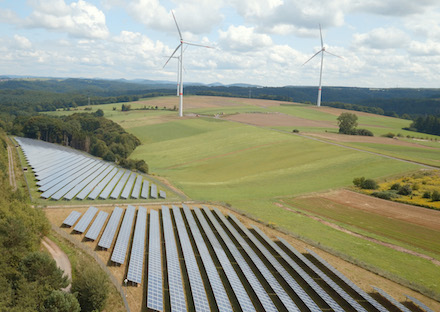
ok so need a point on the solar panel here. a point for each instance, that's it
(110, 230)
(154, 287)
(101, 185)
(137, 187)
(264, 271)
(175, 283)
(127, 188)
(284, 273)
(86, 219)
(217, 286)
(392, 300)
(96, 226)
(136, 264)
(259, 290)
(153, 192)
(72, 218)
(362, 293)
(419, 304)
(111, 185)
(118, 188)
(195, 279)
(120, 250)
(86, 183)
(162, 194)
(145, 189)
(237, 287)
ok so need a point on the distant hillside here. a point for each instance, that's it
(38, 94)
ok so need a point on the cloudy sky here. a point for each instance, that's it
(384, 43)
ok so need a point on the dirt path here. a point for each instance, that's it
(60, 258)
(370, 239)
(12, 180)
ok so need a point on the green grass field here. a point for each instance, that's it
(251, 168)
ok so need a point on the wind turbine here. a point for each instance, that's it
(322, 51)
(180, 72)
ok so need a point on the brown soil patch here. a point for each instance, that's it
(277, 119)
(417, 215)
(363, 139)
(135, 295)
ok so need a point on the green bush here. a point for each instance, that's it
(364, 132)
(358, 181)
(369, 184)
(405, 190)
(91, 286)
(427, 195)
(435, 196)
(388, 135)
(385, 195)
(395, 186)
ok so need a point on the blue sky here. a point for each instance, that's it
(384, 43)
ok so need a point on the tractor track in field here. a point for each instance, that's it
(370, 239)
(12, 180)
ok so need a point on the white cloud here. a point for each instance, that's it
(22, 43)
(78, 19)
(392, 7)
(382, 38)
(241, 38)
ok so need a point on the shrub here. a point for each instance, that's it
(388, 135)
(427, 195)
(295, 130)
(91, 285)
(405, 190)
(435, 196)
(385, 195)
(358, 181)
(364, 132)
(369, 184)
(395, 186)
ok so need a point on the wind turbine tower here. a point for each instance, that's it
(180, 74)
(322, 51)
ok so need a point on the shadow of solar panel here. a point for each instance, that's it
(137, 187)
(96, 226)
(145, 189)
(353, 286)
(286, 258)
(419, 304)
(154, 286)
(111, 185)
(264, 271)
(72, 218)
(86, 219)
(136, 265)
(396, 303)
(127, 188)
(195, 279)
(175, 283)
(217, 286)
(120, 250)
(237, 287)
(110, 230)
(153, 192)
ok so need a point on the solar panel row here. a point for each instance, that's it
(72, 218)
(419, 303)
(110, 230)
(392, 300)
(145, 189)
(137, 187)
(136, 264)
(118, 188)
(154, 287)
(85, 220)
(120, 250)
(97, 225)
(127, 188)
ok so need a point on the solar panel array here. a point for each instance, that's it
(136, 265)
(65, 173)
(111, 228)
(120, 250)
(216, 263)
(82, 225)
(155, 285)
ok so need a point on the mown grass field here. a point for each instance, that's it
(251, 168)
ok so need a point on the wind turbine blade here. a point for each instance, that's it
(333, 54)
(172, 55)
(320, 33)
(197, 45)
(178, 29)
(312, 57)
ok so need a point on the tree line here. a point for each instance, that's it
(89, 132)
(427, 124)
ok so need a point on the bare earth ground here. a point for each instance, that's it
(60, 258)
(364, 139)
(135, 295)
(277, 119)
(418, 215)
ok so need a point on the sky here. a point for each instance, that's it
(383, 43)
